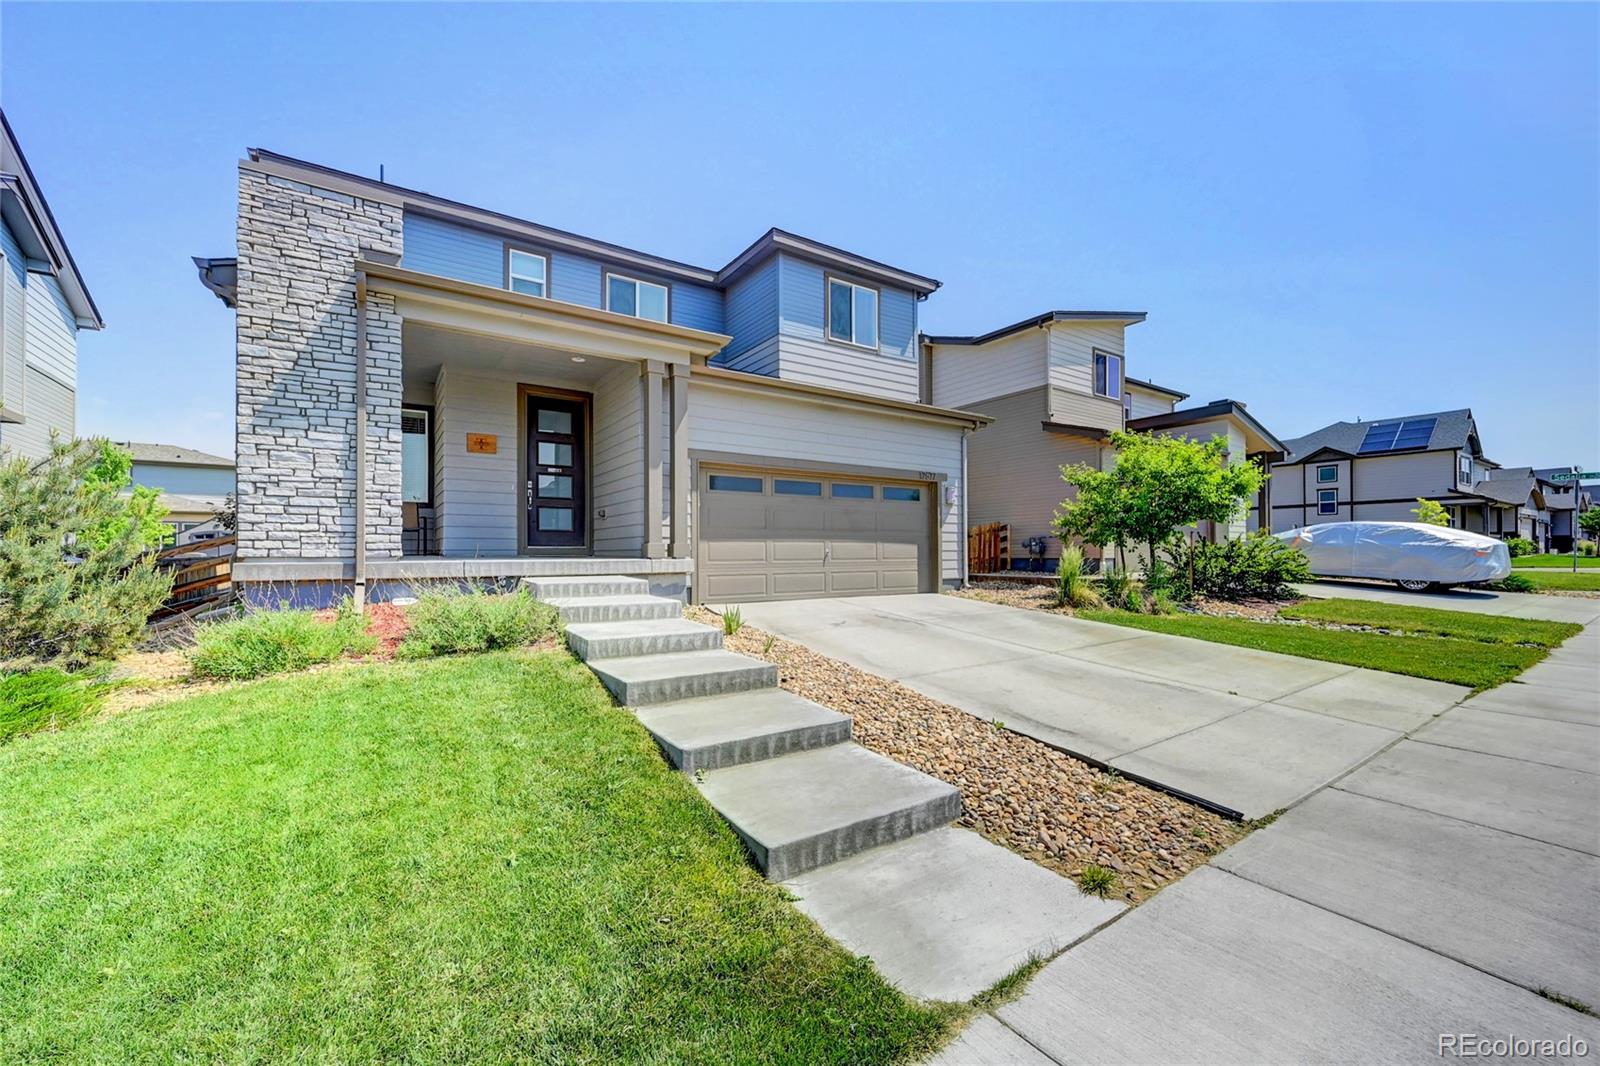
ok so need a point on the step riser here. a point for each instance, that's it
(653, 644)
(549, 588)
(797, 857)
(713, 683)
(755, 749)
(579, 613)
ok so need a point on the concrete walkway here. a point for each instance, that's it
(1584, 610)
(1433, 892)
(1246, 731)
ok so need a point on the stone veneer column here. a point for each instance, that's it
(296, 329)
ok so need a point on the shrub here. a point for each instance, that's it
(1516, 583)
(447, 622)
(44, 699)
(76, 581)
(1072, 588)
(1259, 566)
(271, 642)
(1119, 590)
(1431, 512)
(1519, 546)
(1587, 547)
(732, 620)
(1095, 880)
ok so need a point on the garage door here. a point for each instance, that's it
(776, 535)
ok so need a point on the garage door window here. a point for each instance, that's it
(845, 490)
(733, 483)
(897, 492)
(785, 487)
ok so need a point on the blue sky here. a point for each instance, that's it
(1328, 211)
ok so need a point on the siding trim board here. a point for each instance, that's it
(1127, 318)
(735, 379)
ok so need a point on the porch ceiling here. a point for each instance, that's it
(424, 349)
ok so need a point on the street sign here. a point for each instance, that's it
(1582, 475)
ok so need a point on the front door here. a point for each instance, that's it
(558, 508)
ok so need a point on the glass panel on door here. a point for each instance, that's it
(557, 489)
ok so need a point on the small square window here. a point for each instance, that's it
(555, 486)
(555, 519)
(785, 487)
(551, 454)
(526, 272)
(1327, 501)
(555, 421)
(900, 492)
(850, 490)
(1326, 474)
(734, 483)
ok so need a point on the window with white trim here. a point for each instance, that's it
(641, 299)
(527, 273)
(1464, 470)
(1108, 375)
(1327, 501)
(416, 461)
(1326, 474)
(852, 313)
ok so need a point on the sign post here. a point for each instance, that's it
(1578, 476)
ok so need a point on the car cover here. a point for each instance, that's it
(1401, 551)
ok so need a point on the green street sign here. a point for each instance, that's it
(1582, 475)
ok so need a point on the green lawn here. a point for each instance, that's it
(475, 859)
(1585, 562)
(1583, 581)
(1460, 662)
(1433, 622)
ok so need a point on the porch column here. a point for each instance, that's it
(654, 372)
(679, 548)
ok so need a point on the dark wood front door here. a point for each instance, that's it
(558, 493)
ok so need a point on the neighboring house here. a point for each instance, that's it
(1376, 471)
(1566, 502)
(1056, 387)
(430, 389)
(43, 305)
(194, 485)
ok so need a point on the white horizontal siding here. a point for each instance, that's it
(964, 373)
(617, 480)
(1147, 403)
(477, 500)
(13, 316)
(51, 406)
(1073, 408)
(785, 427)
(1072, 346)
(52, 331)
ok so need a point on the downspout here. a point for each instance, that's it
(961, 510)
(360, 594)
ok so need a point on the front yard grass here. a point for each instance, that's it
(1473, 663)
(1430, 621)
(1556, 561)
(1582, 581)
(469, 859)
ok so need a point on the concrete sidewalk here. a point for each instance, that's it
(1437, 890)
(1242, 730)
(1581, 609)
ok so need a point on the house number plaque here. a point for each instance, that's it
(483, 443)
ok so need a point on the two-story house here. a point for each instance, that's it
(428, 389)
(1057, 388)
(194, 485)
(1376, 471)
(43, 304)
(1566, 501)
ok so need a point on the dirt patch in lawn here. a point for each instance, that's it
(1043, 598)
(1017, 791)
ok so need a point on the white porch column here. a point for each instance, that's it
(654, 371)
(679, 547)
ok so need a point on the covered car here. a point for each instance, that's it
(1414, 555)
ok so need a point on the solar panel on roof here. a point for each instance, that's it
(1393, 436)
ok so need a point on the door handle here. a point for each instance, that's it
(530, 492)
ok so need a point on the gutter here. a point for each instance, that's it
(721, 377)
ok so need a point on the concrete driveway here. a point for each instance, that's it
(1244, 731)
(1581, 609)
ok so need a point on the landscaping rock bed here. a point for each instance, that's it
(1018, 792)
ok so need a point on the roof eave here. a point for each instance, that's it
(34, 209)
(1127, 318)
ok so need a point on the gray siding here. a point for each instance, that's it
(617, 484)
(184, 480)
(1014, 469)
(1146, 403)
(1374, 488)
(964, 374)
(51, 405)
(752, 322)
(805, 354)
(13, 316)
(38, 355)
(455, 251)
(1072, 397)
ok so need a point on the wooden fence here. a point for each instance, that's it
(989, 548)
(202, 575)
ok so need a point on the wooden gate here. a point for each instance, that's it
(989, 548)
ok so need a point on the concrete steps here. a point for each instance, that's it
(624, 608)
(547, 588)
(638, 680)
(657, 636)
(808, 809)
(719, 731)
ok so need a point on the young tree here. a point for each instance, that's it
(112, 470)
(1158, 486)
(77, 580)
(1589, 522)
(1431, 512)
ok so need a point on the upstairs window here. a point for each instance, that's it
(852, 314)
(1108, 375)
(1464, 470)
(527, 273)
(1327, 473)
(1327, 501)
(641, 299)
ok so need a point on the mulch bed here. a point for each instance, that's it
(1017, 791)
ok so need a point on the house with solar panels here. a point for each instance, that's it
(1376, 471)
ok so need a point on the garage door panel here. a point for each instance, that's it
(772, 545)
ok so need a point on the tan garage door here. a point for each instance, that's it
(779, 535)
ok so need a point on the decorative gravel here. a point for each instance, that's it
(1017, 791)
